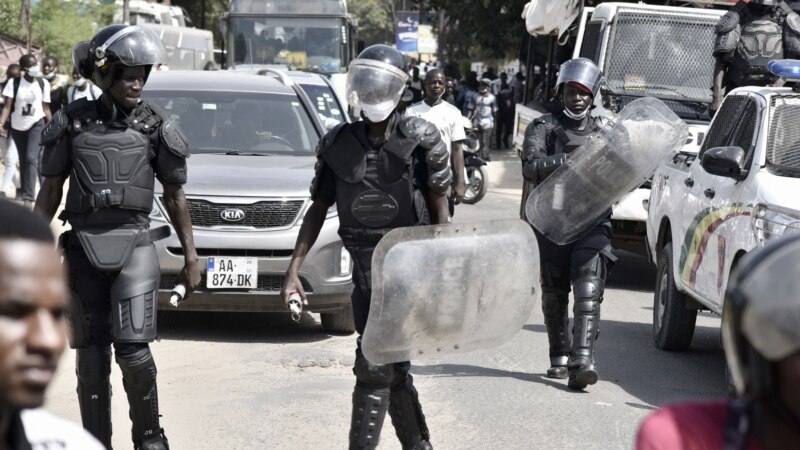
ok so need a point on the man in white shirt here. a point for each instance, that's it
(27, 101)
(449, 121)
(33, 300)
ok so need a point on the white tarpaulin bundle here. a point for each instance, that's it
(544, 17)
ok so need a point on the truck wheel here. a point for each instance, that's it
(673, 322)
(340, 321)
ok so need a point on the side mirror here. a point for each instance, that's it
(725, 162)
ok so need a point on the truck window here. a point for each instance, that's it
(734, 124)
(592, 39)
(783, 153)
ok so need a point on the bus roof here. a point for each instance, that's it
(290, 7)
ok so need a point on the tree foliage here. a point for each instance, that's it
(214, 10)
(375, 23)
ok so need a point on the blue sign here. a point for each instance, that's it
(407, 25)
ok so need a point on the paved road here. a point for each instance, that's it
(254, 381)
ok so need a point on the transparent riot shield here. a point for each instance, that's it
(444, 289)
(612, 163)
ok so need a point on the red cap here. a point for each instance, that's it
(579, 87)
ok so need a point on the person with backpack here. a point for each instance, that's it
(82, 88)
(7, 148)
(27, 101)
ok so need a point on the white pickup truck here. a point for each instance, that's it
(707, 210)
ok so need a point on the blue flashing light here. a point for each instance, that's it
(788, 69)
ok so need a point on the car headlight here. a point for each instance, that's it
(332, 212)
(770, 222)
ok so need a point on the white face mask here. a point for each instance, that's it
(50, 75)
(574, 116)
(34, 71)
(378, 113)
(80, 82)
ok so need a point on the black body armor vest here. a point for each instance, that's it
(761, 41)
(566, 140)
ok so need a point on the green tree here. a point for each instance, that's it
(375, 24)
(9, 17)
(214, 9)
(59, 25)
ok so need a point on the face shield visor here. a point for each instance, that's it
(581, 71)
(375, 88)
(766, 296)
(132, 46)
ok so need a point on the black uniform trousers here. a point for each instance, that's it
(560, 263)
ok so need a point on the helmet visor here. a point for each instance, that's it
(375, 87)
(134, 46)
(79, 53)
(582, 72)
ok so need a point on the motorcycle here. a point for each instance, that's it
(477, 177)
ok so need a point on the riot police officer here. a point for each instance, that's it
(747, 38)
(762, 348)
(382, 172)
(583, 264)
(111, 150)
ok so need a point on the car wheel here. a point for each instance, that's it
(340, 321)
(673, 322)
(476, 185)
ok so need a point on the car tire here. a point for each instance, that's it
(673, 322)
(340, 321)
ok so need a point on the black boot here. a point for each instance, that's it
(588, 288)
(407, 418)
(370, 401)
(93, 367)
(556, 320)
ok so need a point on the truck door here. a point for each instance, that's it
(712, 207)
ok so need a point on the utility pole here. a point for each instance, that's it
(25, 22)
(126, 11)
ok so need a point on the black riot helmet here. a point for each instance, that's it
(760, 320)
(376, 80)
(128, 45)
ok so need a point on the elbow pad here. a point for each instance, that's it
(438, 156)
(728, 32)
(439, 181)
(55, 129)
(791, 35)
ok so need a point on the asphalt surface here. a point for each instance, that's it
(259, 381)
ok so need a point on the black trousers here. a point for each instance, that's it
(560, 263)
(27, 143)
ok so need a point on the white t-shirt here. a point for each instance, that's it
(28, 104)
(45, 431)
(446, 117)
(91, 92)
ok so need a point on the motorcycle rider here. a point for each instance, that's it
(762, 349)
(382, 172)
(584, 264)
(748, 36)
(114, 272)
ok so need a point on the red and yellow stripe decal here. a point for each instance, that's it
(703, 226)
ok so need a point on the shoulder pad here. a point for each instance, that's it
(55, 129)
(80, 109)
(727, 22)
(793, 22)
(426, 133)
(147, 116)
(548, 120)
(173, 138)
(330, 137)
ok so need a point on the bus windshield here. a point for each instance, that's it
(303, 43)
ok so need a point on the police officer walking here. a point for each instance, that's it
(581, 265)
(382, 172)
(749, 36)
(111, 150)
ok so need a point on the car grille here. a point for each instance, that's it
(257, 253)
(272, 283)
(263, 214)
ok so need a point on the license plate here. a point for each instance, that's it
(232, 273)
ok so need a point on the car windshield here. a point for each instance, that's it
(240, 122)
(325, 101)
(304, 43)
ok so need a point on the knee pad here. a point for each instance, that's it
(137, 366)
(368, 374)
(93, 365)
(590, 280)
